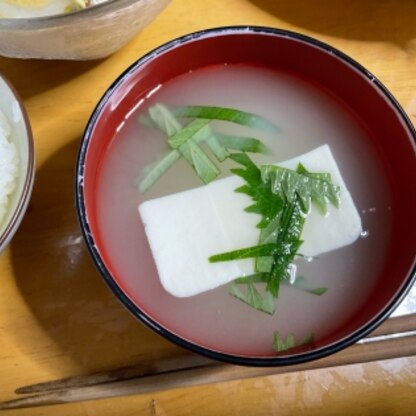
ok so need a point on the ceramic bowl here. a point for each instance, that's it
(21, 134)
(203, 324)
(91, 33)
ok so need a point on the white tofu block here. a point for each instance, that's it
(186, 228)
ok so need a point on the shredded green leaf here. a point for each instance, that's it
(184, 140)
(153, 173)
(162, 118)
(266, 204)
(282, 251)
(301, 283)
(186, 133)
(244, 253)
(280, 344)
(304, 185)
(243, 144)
(252, 278)
(226, 114)
(282, 198)
(202, 164)
(217, 148)
(288, 240)
(319, 291)
(252, 297)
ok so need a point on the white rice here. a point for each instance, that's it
(9, 166)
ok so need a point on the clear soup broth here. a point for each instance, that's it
(308, 117)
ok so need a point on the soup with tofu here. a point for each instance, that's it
(166, 268)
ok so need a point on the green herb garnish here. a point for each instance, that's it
(282, 198)
(265, 302)
(184, 138)
(226, 114)
(262, 302)
(302, 185)
(280, 344)
(301, 283)
(266, 203)
(243, 144)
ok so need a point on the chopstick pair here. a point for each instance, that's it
(393, 339)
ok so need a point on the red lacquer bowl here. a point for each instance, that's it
(389, 129)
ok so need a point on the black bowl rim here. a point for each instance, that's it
(258, 361)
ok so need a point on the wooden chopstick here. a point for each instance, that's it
(396, 325)
(125, 373)
(389, 348)
(192, 370)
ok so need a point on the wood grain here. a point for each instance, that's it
(57, 318)
(211, 373)
(400, 327)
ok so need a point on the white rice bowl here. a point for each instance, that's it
(9, 165)
(16, 162)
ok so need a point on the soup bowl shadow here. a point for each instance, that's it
(311, 60)
(367, 20)
(32, 77)
(61, 287)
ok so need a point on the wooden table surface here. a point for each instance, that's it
(57, 317)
